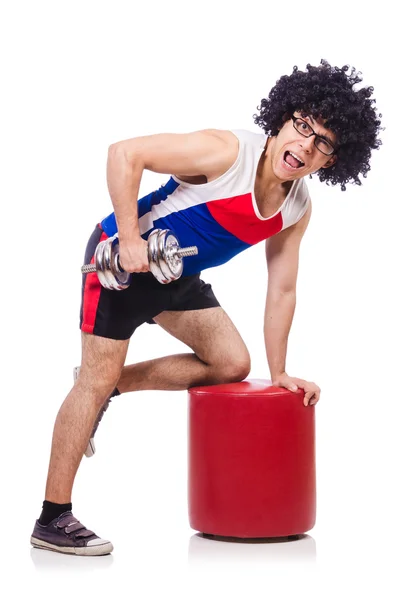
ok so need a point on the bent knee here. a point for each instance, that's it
(236, 369)
(99, 385)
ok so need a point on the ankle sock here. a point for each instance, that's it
(51, 510)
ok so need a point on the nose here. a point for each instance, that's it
(307, 143)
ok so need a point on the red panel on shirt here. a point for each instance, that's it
(237, 216)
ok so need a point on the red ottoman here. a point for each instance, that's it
(251, 460)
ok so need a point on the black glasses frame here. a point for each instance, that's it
(316, 135)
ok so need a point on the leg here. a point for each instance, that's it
(220, 355)
(102, 361)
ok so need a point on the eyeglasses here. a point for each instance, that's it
(306, 130)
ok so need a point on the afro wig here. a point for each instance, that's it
(327, 92)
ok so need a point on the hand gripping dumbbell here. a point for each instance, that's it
(164, 254)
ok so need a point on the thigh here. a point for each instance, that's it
(209, 332)
(102, 360)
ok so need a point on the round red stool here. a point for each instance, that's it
(251, 460)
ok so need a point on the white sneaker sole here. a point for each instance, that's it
(97, 550)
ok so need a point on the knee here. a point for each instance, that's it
(236, 368)
(97, 385)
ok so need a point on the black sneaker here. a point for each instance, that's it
(90, 450)
(67, 535)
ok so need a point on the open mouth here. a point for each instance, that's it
(292, 161)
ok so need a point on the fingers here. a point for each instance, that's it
(293, 384)
(312, 396)
(298, 384)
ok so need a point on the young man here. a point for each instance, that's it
(231, 189)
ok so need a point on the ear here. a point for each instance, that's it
(286, 117)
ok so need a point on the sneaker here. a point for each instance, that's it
(67, 535)
(90, 450)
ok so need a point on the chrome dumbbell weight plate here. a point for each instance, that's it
(153, 257)
(163, 263)
(107, 264)
(170, 263)
(116, 276)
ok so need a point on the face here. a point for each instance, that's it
(290, 141)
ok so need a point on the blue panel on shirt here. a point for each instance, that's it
(195, 226)
(145, 204)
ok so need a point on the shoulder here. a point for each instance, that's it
(234, 138)
(224, 144)
(220, 137)
(220, 149)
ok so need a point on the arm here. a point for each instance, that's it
(282, 255)
(208, 152)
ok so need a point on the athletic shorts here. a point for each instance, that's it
(116, 314)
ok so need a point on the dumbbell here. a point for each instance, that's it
(164, 254)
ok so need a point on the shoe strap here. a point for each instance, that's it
(70, 525)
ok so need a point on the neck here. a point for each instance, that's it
(269, 182)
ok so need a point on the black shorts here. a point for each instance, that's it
(116, 314)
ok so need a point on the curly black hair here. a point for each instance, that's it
(327, 92)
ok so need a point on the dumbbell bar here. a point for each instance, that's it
(164, 256)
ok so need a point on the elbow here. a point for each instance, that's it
(115, 148)
(124, 151)
(282, 292)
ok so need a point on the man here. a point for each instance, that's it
(231, 189)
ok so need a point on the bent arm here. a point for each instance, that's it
(208, 152)
(282, 255)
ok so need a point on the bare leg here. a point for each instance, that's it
(102, 361)
(220, 354)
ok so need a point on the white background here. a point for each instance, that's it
(78, 76)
